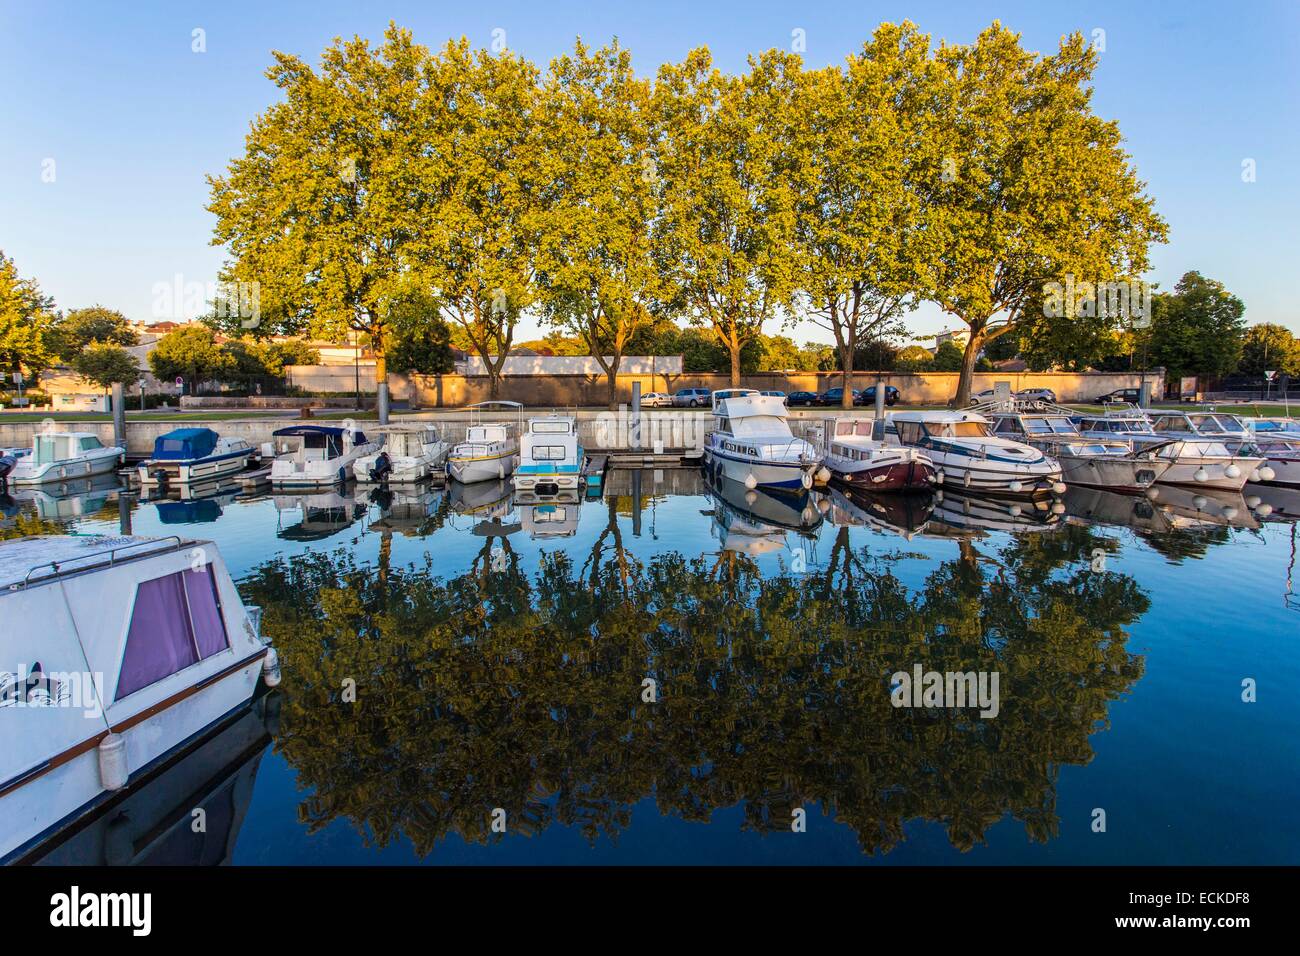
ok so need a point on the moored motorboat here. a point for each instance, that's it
(324, 455)
(550, 456)
(143, 644)
(859, 460)
(410, 452)
(64, 456)
(194, 454)
(751, 443)
(967, 456)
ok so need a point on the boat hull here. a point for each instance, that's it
(315, 474)
(780, 476)
(202, 469)
(907, 475)
(1004, 479)
(1114, 473)
(492, 468)
(57, 471)
(1183, 472)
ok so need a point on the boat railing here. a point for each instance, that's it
(773, 450)
(109, 556)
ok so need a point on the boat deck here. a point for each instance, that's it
(64, 554)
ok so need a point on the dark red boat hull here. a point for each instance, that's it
(899, 476)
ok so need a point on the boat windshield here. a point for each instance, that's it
(753, 425)
(958, 429)
(1048, 426)
(1212, 424)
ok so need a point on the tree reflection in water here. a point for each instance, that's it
(500, 689)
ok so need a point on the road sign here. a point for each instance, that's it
(179, 381)
(1269, 373)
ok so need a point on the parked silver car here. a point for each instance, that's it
(692, 398)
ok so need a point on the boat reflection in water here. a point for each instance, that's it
(195, 504)
(324, 514)
(754, 521)
(414, 510)
(965, 512)
(152, 822)
(68, 500)
(1174, 509)
(903, 515)
(549, 516)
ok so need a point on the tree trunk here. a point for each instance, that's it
(611, 380)
(973, 346)
(846, 376)
(734, 346)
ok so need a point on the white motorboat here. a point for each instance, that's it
(411, 452)
(63, 456)
(489, 452)
(192, 455)
(324, 455)
(860, 460)
(1098, 462)
(751, 443)
(967, 456)
(126, 649)
(550, 456)
(1194, 459)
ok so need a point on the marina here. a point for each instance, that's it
(768, 619)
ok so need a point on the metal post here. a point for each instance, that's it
(381, 402)
(634, 432)
(123, 514)
(119, 416)
(636, 503)
(880, 399)
(1144, 392)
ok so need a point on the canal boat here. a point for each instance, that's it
(857, 459)
(550, 456)
(192, 455)
(1098, 462)
(137, 647)
(411, 452)
(324, 455)
(64, 456)
(751, 443)
(490, 451)
(1199, 461)
(966, 455)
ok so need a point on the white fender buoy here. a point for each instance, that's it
(501, 471)
(1201, 474)
(1200, 501)
(751, 497)
(1254, 475)
(1232, 471)
(1230, 512)
(806, 480)
(1058, 487)
(938, 495)
(113, 769)
(1266, 473)
(1058, 508)
(809, 515)
(1253, 501)
(1015, 486)
(1264, 510)
(824, 474)
(271, 668)
(967, 480)
(750, 481)
(938, 477)
(1014, 511)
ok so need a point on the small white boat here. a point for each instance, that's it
(550, 456)
(751, 443)
(194, 454)
(859, 460)
(63, 456)
(489, 452)
(967, 455)
(324, 456)
(126, 649)
(411, 452)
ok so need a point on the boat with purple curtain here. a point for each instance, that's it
(144, 649)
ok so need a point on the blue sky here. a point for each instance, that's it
(132, 118)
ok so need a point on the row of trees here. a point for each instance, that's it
(964, 175)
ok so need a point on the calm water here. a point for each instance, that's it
(500, 652)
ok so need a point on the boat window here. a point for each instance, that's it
(909, 433)
(1061, 425)
(1168, 423)
(46, 449)
(548, 453)
(1208, 424)
(551, 428)
(1007, 425)
(964, 430)
(89, 443)
(175, 622)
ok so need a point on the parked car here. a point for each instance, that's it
(774, 392)
(868, 396)
(656, 400)
(801, 398)
(691, 398)
(832, 396)
(1037, 395)
(1130, 395)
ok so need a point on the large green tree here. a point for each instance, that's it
(861, 238)
(598, 278)
(26, 322)
(324, 207)
(104, 364)
(1267, 347)
(192, 353)
(1197, 329)
(725, 226)
(96, 324)
(1027, 184)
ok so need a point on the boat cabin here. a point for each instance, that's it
(321, 442)
(62, 446)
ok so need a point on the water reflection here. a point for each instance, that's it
(323, 514)
(499, 688)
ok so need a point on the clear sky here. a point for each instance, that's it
(110, 102)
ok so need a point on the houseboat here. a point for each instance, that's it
(411, 452)
(188, 455)
(1098, 462)
(857, 459)
(143, 646)
(966, 455)
(550, 456)
(63, 456)
(324, 455)
(751, 443)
